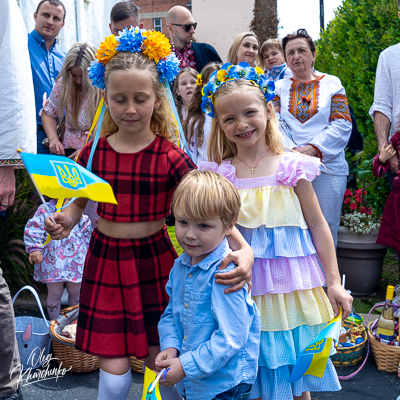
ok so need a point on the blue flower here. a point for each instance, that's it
(243, 71)
(130, 40)
(207, 107)
(210, 88)
(168, 68)
(267, 87)
(96, 74)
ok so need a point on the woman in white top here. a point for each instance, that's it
(315, 109)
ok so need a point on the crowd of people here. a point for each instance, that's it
(256, 197)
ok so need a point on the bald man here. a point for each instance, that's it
(181, 28)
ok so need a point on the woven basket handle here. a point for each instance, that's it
(347, 377)
(36, 297)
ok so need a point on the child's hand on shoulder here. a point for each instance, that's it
(62, 228)
(35, 257)
(386, 153)
(175, 373)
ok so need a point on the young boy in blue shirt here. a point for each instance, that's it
(209, 339)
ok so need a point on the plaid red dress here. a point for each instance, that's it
(123, 286)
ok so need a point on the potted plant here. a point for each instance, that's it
(358, 255)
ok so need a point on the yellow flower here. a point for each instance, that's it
(222, 75)
(107, 49)
(259, 71)
(156, 46)
(199, 80)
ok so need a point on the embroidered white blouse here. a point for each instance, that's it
(387, 87)
(317, 113)
(73, 138)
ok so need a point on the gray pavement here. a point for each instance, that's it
(369, 384)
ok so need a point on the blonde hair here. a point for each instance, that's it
(162, 121)
(80, 55)
(203, 195)
(237, 41)
(195, 114)
(178, 98)
(219, 146)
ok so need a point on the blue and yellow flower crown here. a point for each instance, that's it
(153, 44)
(230, 72)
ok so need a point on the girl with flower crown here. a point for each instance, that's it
(197, 125)
(130, 254)
(281, 219)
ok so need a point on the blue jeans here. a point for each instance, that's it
(239, 392)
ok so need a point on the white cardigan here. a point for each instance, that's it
(316, 112)
(17, 101)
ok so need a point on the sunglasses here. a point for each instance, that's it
(187, 27)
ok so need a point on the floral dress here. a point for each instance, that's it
(63, 260)
(73, 138)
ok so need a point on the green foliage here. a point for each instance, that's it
(17, 270)
(349, 48)
(171, 233)
(360, 167)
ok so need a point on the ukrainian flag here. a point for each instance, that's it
(149, 377)
(313, 359)
(60, 177)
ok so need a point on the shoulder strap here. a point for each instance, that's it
(36, 297)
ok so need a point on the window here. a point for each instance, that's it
(158, 24)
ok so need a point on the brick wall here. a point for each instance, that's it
(158, 9)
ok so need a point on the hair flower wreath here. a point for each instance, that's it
(230, 72)
(153, 44)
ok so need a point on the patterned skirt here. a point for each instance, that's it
(123, 294)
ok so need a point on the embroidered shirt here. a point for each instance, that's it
(143, 182)
(316, 112)
(216, 335)
(46, 65)
(73, 138)
(186, 56)
(278, 72)
(17, 107)
(387, 88)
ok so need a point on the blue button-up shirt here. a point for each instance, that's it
(46, 65)
(216, 334)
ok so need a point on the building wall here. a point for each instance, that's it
(86, 20)
(151, 9)
(220, 21)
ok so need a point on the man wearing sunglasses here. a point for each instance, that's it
(181, 28)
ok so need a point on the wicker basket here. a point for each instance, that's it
(348, 356)
(386, 357)
(137, 365)
(64, 348)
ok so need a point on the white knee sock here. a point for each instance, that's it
(170, 393)
(112, 387)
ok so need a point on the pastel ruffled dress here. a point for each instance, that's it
(287, 280)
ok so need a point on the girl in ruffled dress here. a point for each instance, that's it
(58, 261)
(281, 219)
